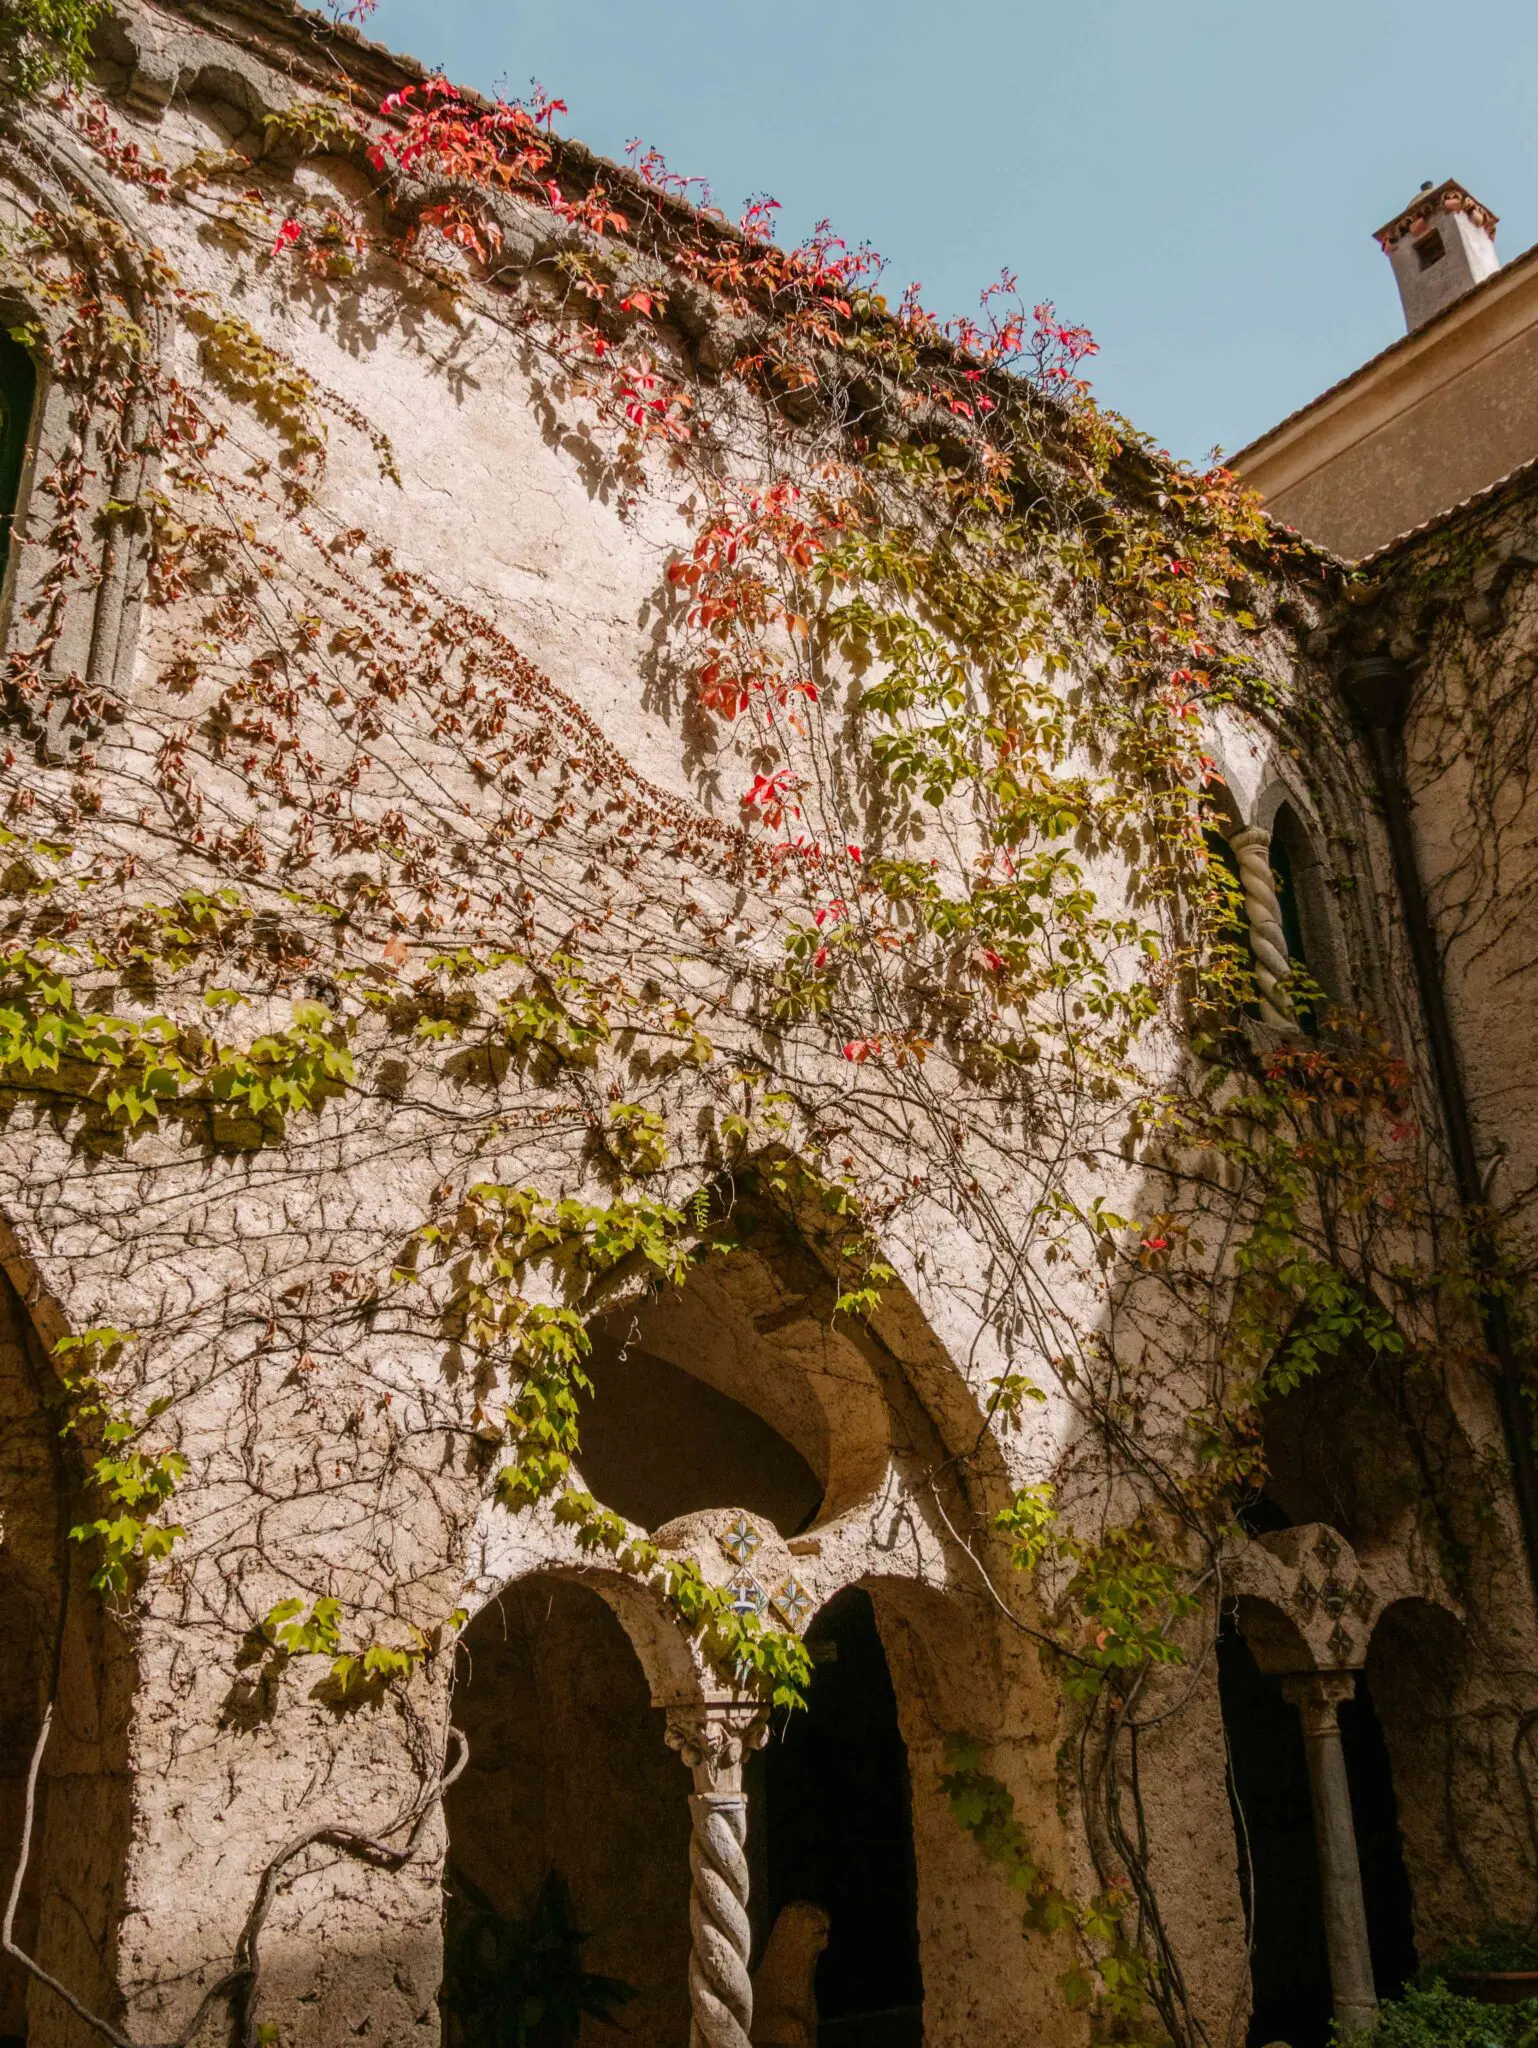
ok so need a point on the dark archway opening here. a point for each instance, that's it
(1278, 1861)
(1340, 1449)
(1385, 1881)
(21, 1699)
(18, 394)
(568, 1854)
(831, 1821)
(1278, 1865)
(658, 1443)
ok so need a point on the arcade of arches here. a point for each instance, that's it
(458, 672)
(630, 1841)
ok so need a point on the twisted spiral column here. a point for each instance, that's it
(1268, 941)
(720, 1989)
(712, 1739)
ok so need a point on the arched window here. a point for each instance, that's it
(1301, 886)
(18, 391)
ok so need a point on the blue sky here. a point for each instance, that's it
(1197, 180)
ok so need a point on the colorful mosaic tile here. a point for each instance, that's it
(791, 1601)
(741, 1541)
(748, 1596)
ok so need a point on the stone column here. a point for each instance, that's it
(1268, 941)
(1317, 1695)
(712, 1738)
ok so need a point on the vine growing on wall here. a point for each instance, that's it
(363, 892)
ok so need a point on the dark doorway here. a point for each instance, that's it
(1278, 1865)
(1385, 1881)
(568, 1851)
(831, 1822)
(18, 391)
(1278, 1862)
(21, 1693)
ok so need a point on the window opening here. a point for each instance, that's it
(1430, 249)
(658, 1443)
(1292, 920)
(18, 392)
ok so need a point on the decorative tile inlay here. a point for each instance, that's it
(791, 1601)
(1334, 1596)
(1305, 1595)
(748, 1596)
(1327, 1550)
(1362, 1601)
(1339, 1644)
(741, 1540)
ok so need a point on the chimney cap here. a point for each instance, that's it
(1448, 197)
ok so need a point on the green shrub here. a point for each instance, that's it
(1501, 1948)
(520, 1983)
(1434, 2016)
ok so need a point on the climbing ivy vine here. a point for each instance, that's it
(951, 639)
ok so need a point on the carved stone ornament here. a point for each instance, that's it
(1268, 939)
(1317, 1695)
(720, 1933)
(713, 1737)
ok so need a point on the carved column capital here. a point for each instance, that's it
(713, 1736)
(1317, 1695)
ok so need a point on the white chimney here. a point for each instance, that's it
(1441, 246)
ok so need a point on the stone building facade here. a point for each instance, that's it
(430, 1016)
(1439, 414)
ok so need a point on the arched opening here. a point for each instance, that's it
(18, 394)
(567, 1878)
(72, 1895)
(1302, 891)
(22, 1683)
(1355, 1446)
(832, 1823)
(1278, 1865)
(1274, 1829)
(1417, 1666)
(1301, 886)
(659, 1443)
(1375, 1814)
(739, 1389)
